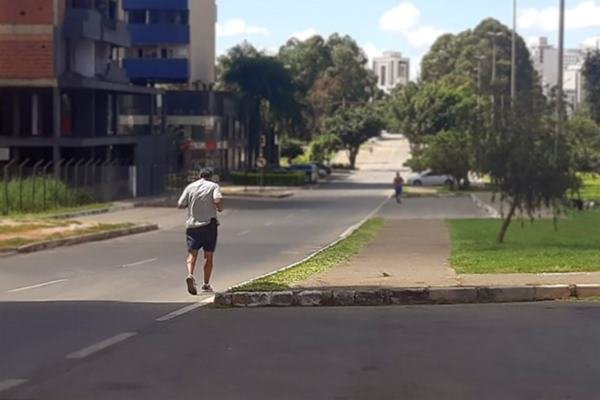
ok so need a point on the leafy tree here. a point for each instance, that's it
(328, 74)
(531, 166)
(266, 80)
(306, 60)
(291, 148)
(354, 125)
(323, 146)
(591, 72)
(449, 152)
(585, 134)
(470, 54)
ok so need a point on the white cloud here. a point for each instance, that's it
(586, 14)
(404, 20)
(423, 36)
(415, 67)
(401, 18)
(305, 34)
(592, 42)
(237, 27)
(372, 51)
(532, 40)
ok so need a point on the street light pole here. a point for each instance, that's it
(561, 52)
(513, 78)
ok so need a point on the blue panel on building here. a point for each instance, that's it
(157, 69)
(155, 5)
(159, 34)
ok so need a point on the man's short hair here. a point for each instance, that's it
(206, 173)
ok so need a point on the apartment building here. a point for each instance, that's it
(392, 70)
(172, 42)
(62, 86)
(545, 61)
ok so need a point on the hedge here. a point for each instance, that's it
(268, 178)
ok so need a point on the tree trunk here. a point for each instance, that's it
(352, 156)
(507, 221)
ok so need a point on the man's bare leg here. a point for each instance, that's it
(191, 261)
(208, 266)
(191, 266)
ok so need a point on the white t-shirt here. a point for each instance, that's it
(199, 197)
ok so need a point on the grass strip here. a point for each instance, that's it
(100, 228)
(321, 262)
(61, 211)
(530, 247)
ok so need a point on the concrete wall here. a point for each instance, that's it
(203, 17)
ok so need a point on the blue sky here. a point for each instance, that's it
(406, 26)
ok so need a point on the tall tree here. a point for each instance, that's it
(471, 54)
(354, 125)
(591, 72)
(270, 84)
(531, 166)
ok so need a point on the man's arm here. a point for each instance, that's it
(183, 200)
(218, 199)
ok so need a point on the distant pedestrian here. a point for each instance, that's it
(202, 199)
(398, 187)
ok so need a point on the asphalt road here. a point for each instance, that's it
(56, 302)
(540, 351)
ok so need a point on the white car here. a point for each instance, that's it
(429, 178)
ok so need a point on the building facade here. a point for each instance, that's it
(173, 41)
(545, 61)
(391, 70)
(205, 129)
(61, 87)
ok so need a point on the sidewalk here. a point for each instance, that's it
(406, 253)
(408, 263)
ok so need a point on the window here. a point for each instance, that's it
(137, 17)
(164, 53)
(382, 77)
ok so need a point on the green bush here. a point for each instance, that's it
(39, 194)
(268, 178)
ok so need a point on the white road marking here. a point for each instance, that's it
(40, 285)
(136, 264)
(243, 233)
(88, 351)
(186, 309)
(11, 383)
(290, 216)
(270, 223)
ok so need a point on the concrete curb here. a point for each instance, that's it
(405, 296)
(486, 207)
(92, 237)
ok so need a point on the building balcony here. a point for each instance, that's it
(167, 70)
(151, 34)
(155, 5)
(82, 23)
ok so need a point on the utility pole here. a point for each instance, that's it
(561, 52)
(513, 78)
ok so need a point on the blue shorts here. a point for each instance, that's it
(399, 190)
(203, 237)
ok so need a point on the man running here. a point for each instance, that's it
(202, 199)
(398, 187)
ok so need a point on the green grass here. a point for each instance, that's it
(322, 262)
(591, 188)
(20, 241)
(529, 248)
(26, 226)
(57, 212)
